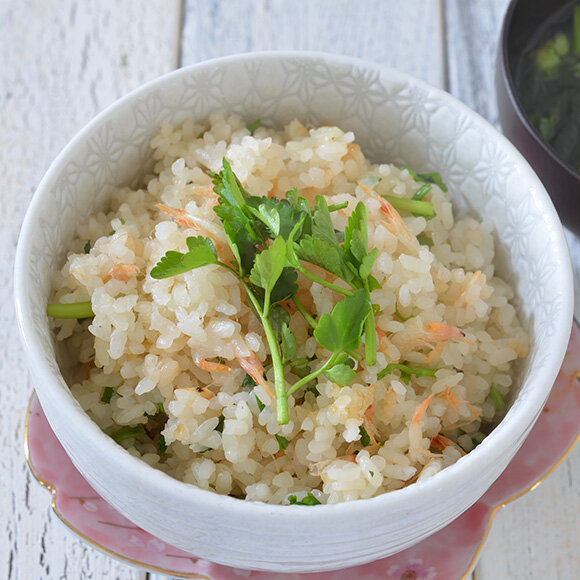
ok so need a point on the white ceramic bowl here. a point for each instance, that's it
(395, 118)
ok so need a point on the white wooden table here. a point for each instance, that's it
(62, 61)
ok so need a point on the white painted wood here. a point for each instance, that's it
(472, 33)
(62, 62)
(404, 35)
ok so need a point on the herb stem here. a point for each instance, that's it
(71, 310)
(303, 381)
(414, 206)
(302, 309)
(277, 364)
(323, 282)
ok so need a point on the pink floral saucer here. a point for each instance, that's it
(450, 553)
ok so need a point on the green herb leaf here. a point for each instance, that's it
(341, 329)
(496, 398)
(161, 445)
(324, 254)
(87, 247)
(422, 192)
(367, 263)
(268, 265)
(309, 499)
(288, 343)
(279, 317)
(201, 253)
(417, 371)
(434, 178)
(425, 240)
(248, 383)
(128, 432)
(220, 426)
(364, 437)
(282, 442)
(261, 405)
(107, 394)
(322, 226)
(340, 374)
(254, 125)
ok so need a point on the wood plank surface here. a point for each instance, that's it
(62, 62)
(403, 35)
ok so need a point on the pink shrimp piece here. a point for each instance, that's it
(440, 442)
(477, 278)
(416, 449)
(209, 366)
(253, 366)
(179, 215)
(122, 272)
(439, 332)
(394, 221)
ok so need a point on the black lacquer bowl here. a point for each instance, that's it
(522, 21)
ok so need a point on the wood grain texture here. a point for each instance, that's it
(472, 33)
(62, 62)
(404, 35)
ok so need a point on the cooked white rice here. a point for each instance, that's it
(149, 337)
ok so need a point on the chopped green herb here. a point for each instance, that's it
(417, 371)
(425, 240)
(248, 383)
(496, 398)
(308, 499)
(71, 310)
(337, 206)
(87, 247)
(128, 432)
(261, 405)
(364, 437)
(372, 473)
(416, 207)
(161, 445)
(434, 178)
(282, 442)
(124, 60)
(107, 394)
(254, 125)
(220, 426)
(422, 192)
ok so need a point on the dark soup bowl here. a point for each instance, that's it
(538, 93)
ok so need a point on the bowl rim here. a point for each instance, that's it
(509, 82)
(506, 433)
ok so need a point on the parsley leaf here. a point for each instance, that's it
(288, 343)
(268, 265)
(201, 253)
(341, 329)
(340, 374)
(322, 226)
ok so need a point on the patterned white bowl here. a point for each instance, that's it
(395, 118)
